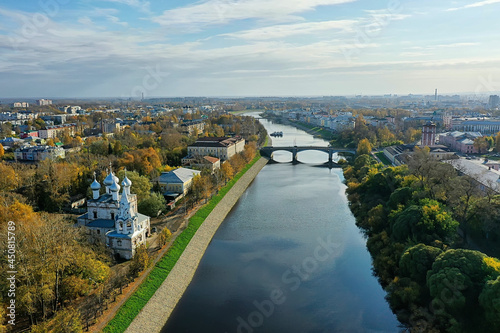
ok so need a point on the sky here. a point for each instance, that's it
(223, 48)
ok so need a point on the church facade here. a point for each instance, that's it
(113, 217)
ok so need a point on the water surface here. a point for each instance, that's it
(288, 258)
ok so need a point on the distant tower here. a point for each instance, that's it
(494, 101)
(436, 95)
(447, 120)
(429, 134)
(142, 97)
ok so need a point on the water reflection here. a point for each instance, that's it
(288, 258)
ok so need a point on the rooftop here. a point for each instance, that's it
(477, 170)
(180, 175)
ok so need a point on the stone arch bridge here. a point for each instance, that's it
(269, 150)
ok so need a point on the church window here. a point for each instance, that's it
(112, 216)
(95, 214)
(119, 242)
(129, 225)
(121, 225)
(98, 231)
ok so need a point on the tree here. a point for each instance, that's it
(250, 151)
(2, 151)
(462, 196)
(364, 147)
(202, 187)
(140, 184)
(490, 301)
(8, 178)
(117, 148)
(497, 142)
(50, 142)
(152, 205)
(99, 147)
(67, 320)
(417, 261)
(140, 261)
(49, 252)
(412, 135)
(164, 237)
(12, 209)
(237, 162)
(481, 144)
(457, 278)
(143, 160)
(425, 222)
(227, 171)
(486, 216)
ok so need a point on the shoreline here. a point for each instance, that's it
(157, 311)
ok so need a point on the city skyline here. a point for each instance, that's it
(126, 48)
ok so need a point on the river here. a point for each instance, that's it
(288, 258)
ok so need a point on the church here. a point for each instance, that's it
(113, 217)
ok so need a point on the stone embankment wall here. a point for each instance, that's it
(155, 314)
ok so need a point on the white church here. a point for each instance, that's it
(113, 217)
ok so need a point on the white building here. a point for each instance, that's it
(39, 153)
(223, 148)
(53, 131)
(114, 218)
(43, 101)
(21, 104)
(176, 183)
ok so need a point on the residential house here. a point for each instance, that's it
(205, 162)
(39, 153)
(176, 183)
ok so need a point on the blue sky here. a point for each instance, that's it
(124, 48)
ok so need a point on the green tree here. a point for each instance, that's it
(152, 205)
(456, 280)
(117, 148)
(497, 142)
(417, 261)
(425, 222)
(490, 301)
(99, 147)
(140, 184)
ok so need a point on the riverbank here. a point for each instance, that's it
(156, 312)
(308, 128)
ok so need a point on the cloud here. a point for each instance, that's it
(211, 12)
(444, 46)
(288, 30)
(143, 6)
(116, 20)
(475, 5)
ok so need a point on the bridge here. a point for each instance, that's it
(269, 150)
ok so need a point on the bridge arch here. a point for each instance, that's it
(268, 151)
